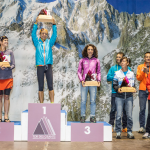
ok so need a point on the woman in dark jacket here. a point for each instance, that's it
(6, 77)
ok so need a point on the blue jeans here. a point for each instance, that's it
(113, 112)
(119, 108)
(143, 95)
(84, 92)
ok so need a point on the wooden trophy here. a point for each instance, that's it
(89, 80)
(44, 16)
(125, 87)
(3, 62)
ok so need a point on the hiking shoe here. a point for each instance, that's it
(124, 130)
(118, 135)
(142, 130)
(92, 119)
(130, 135)
(146, 135)
(82, 119)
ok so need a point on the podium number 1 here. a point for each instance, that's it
(87, 128)
(44, 110)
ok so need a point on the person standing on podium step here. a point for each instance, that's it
(6, 77)
(124, 98)
(110, 77)
(141, 75)
(44, 58)
(89, 62)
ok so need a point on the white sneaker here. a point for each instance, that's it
(146, 135)
(130, 135)
(142, 130)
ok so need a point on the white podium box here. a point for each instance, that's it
(107, 130)
(63, 125)
(68, 132)
(17, 130)
(24, 125)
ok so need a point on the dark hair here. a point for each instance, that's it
(127, 59)
(121, 53)
(146, 53)
(2, 38)
(84, 52)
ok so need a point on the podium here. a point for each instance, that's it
(22, 129)
(87, 132)
(44, 122)
(6, 131)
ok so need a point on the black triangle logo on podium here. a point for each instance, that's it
(39, 130)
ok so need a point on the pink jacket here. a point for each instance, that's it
(87, 64)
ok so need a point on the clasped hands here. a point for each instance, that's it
(145, 70)
(2, 67)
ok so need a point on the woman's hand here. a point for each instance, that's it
(135, 91)
(83, 83)
(99, 83)
(53, 22)
(145, 70)
(3, 67)
(37, 20)
(119, 90)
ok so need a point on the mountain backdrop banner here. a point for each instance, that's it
(113, 26)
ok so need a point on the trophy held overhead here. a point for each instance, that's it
(44, 16)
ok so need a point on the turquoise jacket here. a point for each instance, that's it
(39, 45)
(111, 74)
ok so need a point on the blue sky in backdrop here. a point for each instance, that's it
(130, 6)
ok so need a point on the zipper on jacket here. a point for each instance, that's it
(44, 53)
(89, 63)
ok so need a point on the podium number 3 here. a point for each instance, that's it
(87, 128)
(44, 110)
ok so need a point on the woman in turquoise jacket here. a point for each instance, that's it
(44, 58)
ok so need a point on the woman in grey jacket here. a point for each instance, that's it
(6, 78)
(124, 98)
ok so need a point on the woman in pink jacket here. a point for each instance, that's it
(89, 62)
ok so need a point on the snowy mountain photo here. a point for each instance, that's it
(78, 23)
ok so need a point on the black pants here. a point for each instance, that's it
(47, 70)
(113, 112)
(6, 92)
(148, 119)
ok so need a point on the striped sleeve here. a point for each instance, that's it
(115, 83)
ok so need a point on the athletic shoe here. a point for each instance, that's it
(118, 135)
(124, 130)
(92, 119)
(146, 135)
(82, 119)
(130, 135)
(142, 130)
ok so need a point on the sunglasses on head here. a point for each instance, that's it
(3, 37)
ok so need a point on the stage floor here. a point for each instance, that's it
(117, 144)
